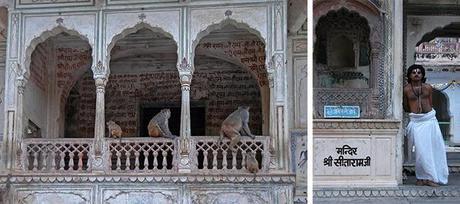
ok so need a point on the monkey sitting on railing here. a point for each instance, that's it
(235, 126)
(114, 130)
(158, 125)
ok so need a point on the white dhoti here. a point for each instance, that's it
(430, 151)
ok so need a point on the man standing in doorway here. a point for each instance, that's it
(423, 130)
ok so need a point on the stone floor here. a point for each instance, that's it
(408, 193)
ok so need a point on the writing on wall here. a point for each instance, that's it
(221, 91)
(38, 65)
(224, 91)
(71, 63)
(80, 108)
(344, 161)
(250, 53)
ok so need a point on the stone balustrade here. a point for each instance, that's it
(50, 155)
(142, 155)
(210, 156)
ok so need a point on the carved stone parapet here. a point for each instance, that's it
(355, 124)
(149, 178)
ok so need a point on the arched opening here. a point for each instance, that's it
(143, 80)
(438, 51)
(58, 66)
(230, 72)
(441, 105)
(341, 54)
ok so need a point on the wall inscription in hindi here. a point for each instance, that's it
(347, 162)
(340, 157)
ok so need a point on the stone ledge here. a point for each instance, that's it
(355, 124)
(399, 192)
(171, 178)
(453, 169)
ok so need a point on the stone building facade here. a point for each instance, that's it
(71, 66)
(357, 84)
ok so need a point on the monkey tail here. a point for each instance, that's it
(219, 142)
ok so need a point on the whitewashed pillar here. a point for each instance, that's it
(99, 146)
(277, 79)
(185, 75)
(18, 133)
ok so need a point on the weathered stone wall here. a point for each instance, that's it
(222, 89)
(36, 93)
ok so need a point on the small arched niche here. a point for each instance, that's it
(229, 72)
(341, 54)
(143, 80)
(57, 67)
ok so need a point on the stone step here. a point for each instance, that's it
(406, 193)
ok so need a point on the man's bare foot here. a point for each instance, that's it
(419, 182)
(431, 183)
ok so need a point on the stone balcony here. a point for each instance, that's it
(139, 169)
(140, 155)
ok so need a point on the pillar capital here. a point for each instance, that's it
(100, 71)
(185, 72)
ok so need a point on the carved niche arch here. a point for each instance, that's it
(45, 36)
(134, 29)
(260, 75)
(450, 30)
(221, 25)
(368, 21)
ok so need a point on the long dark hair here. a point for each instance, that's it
(415, 66)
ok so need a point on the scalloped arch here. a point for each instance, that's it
(45, 36)
(449, 30)
(366, 5)
(220, 25)
(366, 9)
(132, 30)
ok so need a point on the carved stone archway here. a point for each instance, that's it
(372, 100)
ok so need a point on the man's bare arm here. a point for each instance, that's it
(430, 91)
(405, 104)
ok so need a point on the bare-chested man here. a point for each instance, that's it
(423, 130)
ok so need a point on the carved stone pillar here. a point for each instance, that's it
(99, 145)
(18, 133)
(185, 74)
(273, 130)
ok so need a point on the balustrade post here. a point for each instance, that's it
(100, 149)
(185, 74)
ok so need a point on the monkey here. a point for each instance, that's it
(158, 125)
(235, 126)
(251, 162)
(114, 130)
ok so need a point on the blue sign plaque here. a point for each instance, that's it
(341, 112)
